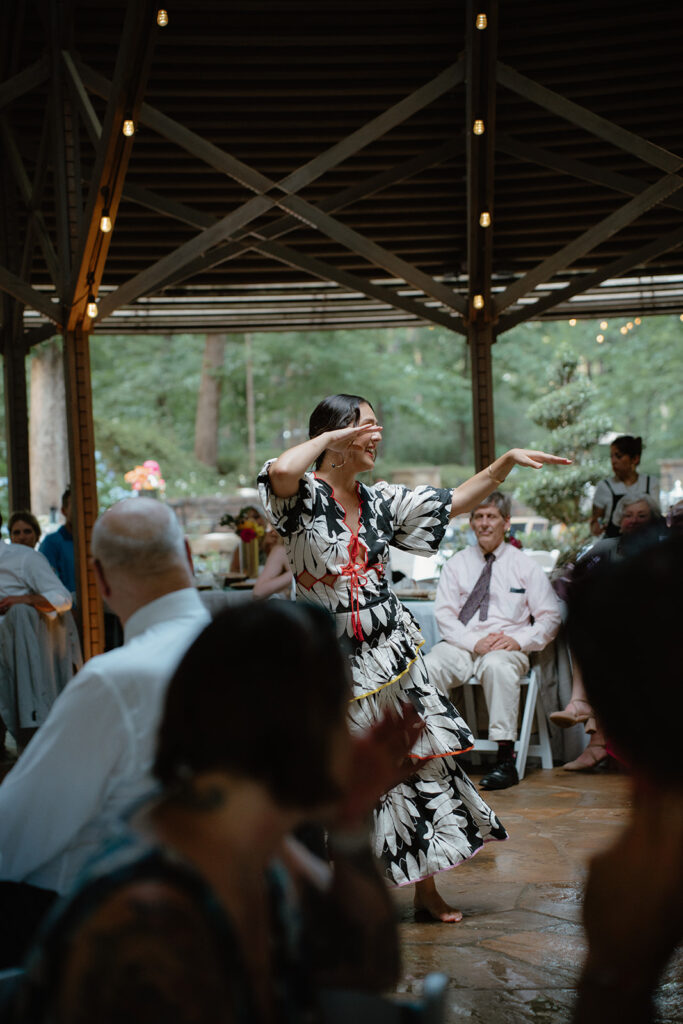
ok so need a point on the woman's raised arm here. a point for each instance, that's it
(289, 467)
(470, 494)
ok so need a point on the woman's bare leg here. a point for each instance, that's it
(427, 898)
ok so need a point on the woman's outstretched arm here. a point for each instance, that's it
(470, 494)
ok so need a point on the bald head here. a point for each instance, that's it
(140, 536)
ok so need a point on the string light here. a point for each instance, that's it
(482, 22)
(638, 321)
(485, 219)
(162, 18)
(105, 222)
(604, 325)
(572, 323)
(128, 128)
(478, 127)
(623, 330)
(91, 308)
(600, 338)
(629, 325)
(478, 301)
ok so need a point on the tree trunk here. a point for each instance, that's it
(208, 404)
(48, 448)
(251, 420)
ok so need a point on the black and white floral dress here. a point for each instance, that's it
(437, 818)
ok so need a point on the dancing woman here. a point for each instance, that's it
(337, 532)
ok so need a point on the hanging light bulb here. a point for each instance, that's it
(572, 323)
(638, 321)
(482, 22)
(478, 127)
(478, 301)
(629, 325)
(600, 338)
(162, 18)
(105, 222)
(128, 128)
(623, 330)
(91, 308)
(485, 219)
(604, 325)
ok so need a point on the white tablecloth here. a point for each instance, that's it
(423, 612)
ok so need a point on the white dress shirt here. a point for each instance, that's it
(93, 756)
(25, 571)
(519, 589)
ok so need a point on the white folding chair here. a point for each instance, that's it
(533, 708)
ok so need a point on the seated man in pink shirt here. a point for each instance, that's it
(494, 606)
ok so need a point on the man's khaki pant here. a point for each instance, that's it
(499, 672)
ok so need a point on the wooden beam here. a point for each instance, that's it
(481, 50)
(633, 144)
(586, 242)
(113, 154)
(28, 296)
(35, 335)
(26, 191)
(582, 283)
(326, 272)
(259, 183)
(25, 81)
(362, 190)
(150, 278)
(77, 381)
(577, 168)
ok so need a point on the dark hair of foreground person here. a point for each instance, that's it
(625, 630)
(268, 712)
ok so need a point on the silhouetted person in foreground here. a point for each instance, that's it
(625, 631)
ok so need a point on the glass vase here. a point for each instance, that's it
(249, 558)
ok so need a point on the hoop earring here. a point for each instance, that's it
(338, 465)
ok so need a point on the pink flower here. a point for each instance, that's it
(247, 535)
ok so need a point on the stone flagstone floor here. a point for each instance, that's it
(516, 955)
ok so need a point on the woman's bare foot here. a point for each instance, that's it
(428, 899)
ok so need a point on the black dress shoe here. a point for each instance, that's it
(501, 777)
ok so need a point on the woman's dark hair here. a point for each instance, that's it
(624, 629)
(628, 445)
(333, 413)
(23, 516)
(259, 694)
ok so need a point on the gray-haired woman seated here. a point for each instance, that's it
(220, 915)
(641, 525)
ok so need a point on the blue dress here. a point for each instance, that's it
(436, 819)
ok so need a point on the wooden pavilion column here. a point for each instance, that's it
(14, 357)
(481, 54)
(83, 484)
(16, 419)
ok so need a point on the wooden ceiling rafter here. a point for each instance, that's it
(268, 194)
(112, 156)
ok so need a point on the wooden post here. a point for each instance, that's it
(480, 341)
(83, 484)
(481, 54)
(16, 421)
(251, 424)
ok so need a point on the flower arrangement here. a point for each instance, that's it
(246, 524)
(146, 477)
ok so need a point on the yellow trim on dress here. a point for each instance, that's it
(395, 679)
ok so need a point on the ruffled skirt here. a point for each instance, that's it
(436, 819)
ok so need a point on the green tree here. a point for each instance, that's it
(570, 430)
